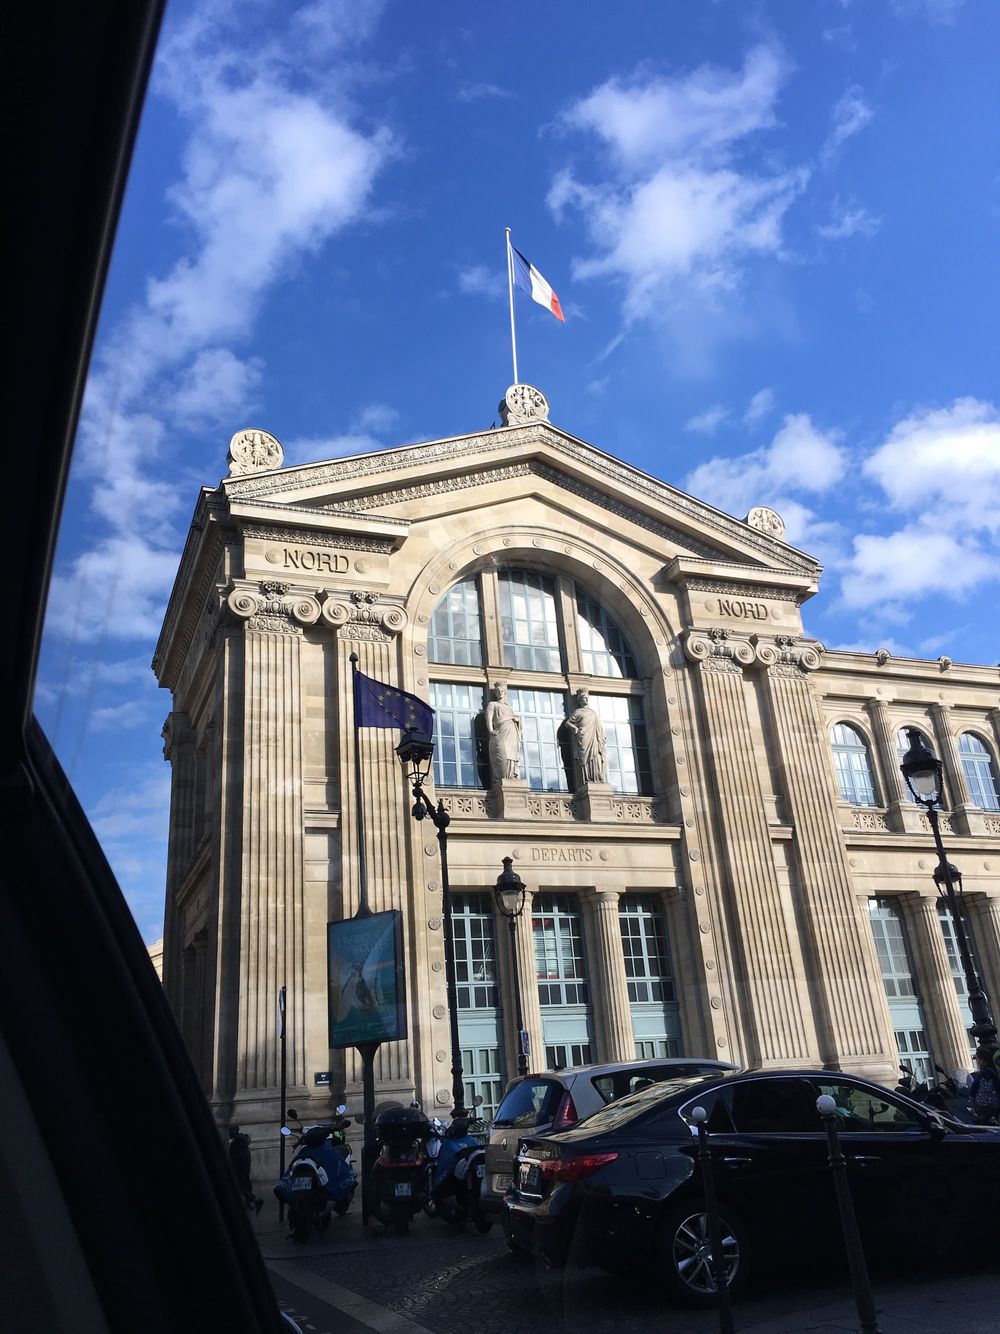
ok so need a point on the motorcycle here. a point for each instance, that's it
(399, 1176)
(459, 1168)
(948, 1094)
(319, 1176)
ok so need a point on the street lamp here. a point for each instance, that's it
(509, 894)
(416, 754)
(923, 772)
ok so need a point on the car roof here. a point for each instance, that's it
(614, 1067)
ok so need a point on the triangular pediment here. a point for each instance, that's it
(393, 487)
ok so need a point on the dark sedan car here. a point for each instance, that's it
(623, 1188)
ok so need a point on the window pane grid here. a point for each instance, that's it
(475, 952)
(853, 767)
(542, 713)
(528, 620)
(455, 634)
(603, 650)
(647, 956)
(559, 960)
(629, 769)
(455, 710)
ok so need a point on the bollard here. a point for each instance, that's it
(718, 1260)
(863, 1299)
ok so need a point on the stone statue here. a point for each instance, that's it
(503, 727)
(590, 749)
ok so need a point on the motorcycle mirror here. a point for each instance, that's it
(341, 1109)
(285, 1130)
(292, 1113)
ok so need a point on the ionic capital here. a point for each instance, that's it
(362, 616)
(786, 655)
(272, 606)
(718, 650)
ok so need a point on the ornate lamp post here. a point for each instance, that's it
(923, 773)
(416, 754)
(509, 894)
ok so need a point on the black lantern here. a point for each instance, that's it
(509, 891)
(416, 755)
(922, 770)
(509, 894)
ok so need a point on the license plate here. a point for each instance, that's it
(502, 1183)
(480, 1170)
(403, 1188)
(301, 1183)
(529, 1178)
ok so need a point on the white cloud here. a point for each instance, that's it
(482, 280)
(318, 448)
(707, 422)
(759, 406)
(680, 215)
(478, 92)
(120, 717)
(945, 464)
(214, 388)
(850, 114)
(908, 565)
(116, 590)
(935, 11)
(848, 220)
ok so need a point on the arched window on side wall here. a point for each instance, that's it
(980, 772)
(853, 766)
(902, 746)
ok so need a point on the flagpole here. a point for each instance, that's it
(510, 297)
(363, 908)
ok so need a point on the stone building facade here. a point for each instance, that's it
(741, 874)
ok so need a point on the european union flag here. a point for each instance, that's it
(379, 705)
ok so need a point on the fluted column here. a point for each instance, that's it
(779, 1023)
(528, 974)
(984, 914)
(608, 980)
(178, 749)
(942, 1009)
(851, 1010)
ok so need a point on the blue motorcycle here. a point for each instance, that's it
(319, 1177)
(458, 1172)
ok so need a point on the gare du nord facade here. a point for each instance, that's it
(742, 876)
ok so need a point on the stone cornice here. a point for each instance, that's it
(719, 576)
(330, 519)
(882, 668)
(659, 496)
(192, 590)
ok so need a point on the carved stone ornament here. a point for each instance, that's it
(718, 650)
(253, 451)
(766, 521)
(786, 655)
(273, 606)
(882, 656)
(363, 617)
(722, 650)
(523, 403)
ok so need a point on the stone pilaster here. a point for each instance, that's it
(965, 817)
(903, 815)
(778, 1022)
(942, 1010)
(530, 1008)
(608, 980)
(178, 749)
(984, 916)
(851, 1010)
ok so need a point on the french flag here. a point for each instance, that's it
(531, 281)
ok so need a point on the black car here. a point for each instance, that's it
(623, 1188)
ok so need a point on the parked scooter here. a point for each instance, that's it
(399, 1178)
(319, 1176)
(949, 1094)
(458, 1172)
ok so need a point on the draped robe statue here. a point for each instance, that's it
(589, 741)
(503, 728)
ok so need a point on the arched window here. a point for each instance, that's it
(540, 632)
(980, 772)
(853, 766)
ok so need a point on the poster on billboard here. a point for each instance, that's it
(365, 977)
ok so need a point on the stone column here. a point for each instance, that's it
(851, 1009)
(272, 871)
(528, 977)
(608, 981)
(984, 916)
(178, 749)
(965, 817)
(904, 816)
(777, 1015)
(942, 1010)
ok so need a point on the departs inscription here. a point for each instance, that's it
(324, 562)
(562, 855)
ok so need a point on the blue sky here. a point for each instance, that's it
(772, 227)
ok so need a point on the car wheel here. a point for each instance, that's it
(685, 1250)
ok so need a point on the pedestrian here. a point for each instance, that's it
(984, 1089)
(239, 1161)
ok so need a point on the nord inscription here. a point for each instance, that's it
(740, 609)
(326, 562)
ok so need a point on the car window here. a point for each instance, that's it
(858, 1109)
(620, 1083)
(772, 1106)
(717, 1105)
(530, 1103)
(636, 1105)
